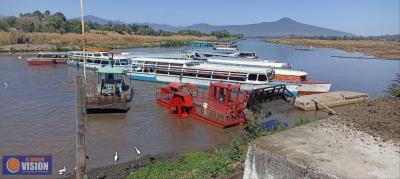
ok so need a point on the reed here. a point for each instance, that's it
(378, 48)
(97, 39)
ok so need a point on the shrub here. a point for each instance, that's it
(394, 89)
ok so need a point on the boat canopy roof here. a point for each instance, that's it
(163, 60)
(108, 69)
(53, 53)
(231, 68)
(290, 72)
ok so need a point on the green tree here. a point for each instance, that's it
(38, 14)
(190, 32)
(221, 34)
(11, 21)
(4, 25)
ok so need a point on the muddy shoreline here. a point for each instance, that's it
(379, 117)
(122, 170)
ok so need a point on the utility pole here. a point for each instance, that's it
(80, 145)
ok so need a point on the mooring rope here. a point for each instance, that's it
(83, 43)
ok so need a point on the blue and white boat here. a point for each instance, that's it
(201, 74)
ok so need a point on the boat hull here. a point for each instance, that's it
(38, 61)
(310, 87)
(203, 82)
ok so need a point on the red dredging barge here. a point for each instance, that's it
(222, 105)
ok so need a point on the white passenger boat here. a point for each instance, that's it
(93, 59)
(99, 59)
(201, 74)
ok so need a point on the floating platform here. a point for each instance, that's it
(331, 99)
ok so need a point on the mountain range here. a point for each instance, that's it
(281, 27)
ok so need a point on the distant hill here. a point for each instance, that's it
(99, 20)
(281, 27)
(2, 17)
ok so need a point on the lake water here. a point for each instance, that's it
(37, 109)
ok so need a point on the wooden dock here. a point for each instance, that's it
(331, 99)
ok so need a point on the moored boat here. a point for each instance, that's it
(201, 74)
(93, 59)
(48, 58)
(111, 92)
(300, 77)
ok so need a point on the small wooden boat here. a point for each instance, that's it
(111, 92)
(48, 58)
(306, 86)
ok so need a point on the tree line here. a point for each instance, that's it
(58, 23)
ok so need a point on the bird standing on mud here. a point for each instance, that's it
(116, 157)
(5, 84)
(137, 151)
(62, 171)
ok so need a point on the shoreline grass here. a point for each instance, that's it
(37, 41)
(218, 163)
(379, 48)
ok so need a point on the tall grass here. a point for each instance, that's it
(92, 39)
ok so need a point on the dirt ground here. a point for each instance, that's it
(379, 118)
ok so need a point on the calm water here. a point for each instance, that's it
(37, 110)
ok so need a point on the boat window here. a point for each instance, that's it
(162, 71)
(252, 77)
(189, 73)
(303, 78)
(262, 77)
(215, 92)
(175, 71)
(220, 75)
(105, 54)
(97, 54)
(97, 61)
(105, 62)
(39, 55)
(176, 64)
(221, 98)
(90, 61)
(148, 69)
(124, 62)
(163, 64)
(237, 78)
(204, 74)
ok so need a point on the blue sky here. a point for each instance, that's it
(360, 17)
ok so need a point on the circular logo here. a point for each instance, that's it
(13, 165)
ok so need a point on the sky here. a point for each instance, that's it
(359, 17)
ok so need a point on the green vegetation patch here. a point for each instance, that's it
(394, 89)
(220, 162)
